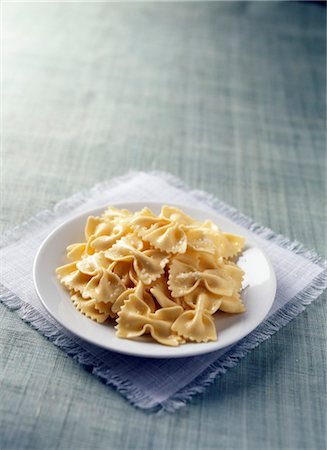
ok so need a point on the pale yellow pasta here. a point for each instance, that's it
(148, 264)
(116, 215)
(125, 271)
(76, 251)
(196, 325)
(208, 238)
(104, 287)
(232, 304)
(176, 215)
(161, 232)
(162, 294)
(91, 308)
(184, 279)
(166, 237)
(140, 291)
(135, 319)
(92, 264)
(162, 275)
(105, 241)
(72, 278)
(211, 303)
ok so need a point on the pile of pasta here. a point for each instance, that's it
(165, 275)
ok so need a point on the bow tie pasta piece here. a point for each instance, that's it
(199, 260)
(125, 271)
(103, 229)
(227, 303)
(208, 261)
(105, 308)
(183, 279)
(116, 215)
(161, 293)
(148, 264)
(95, 227)
(91, 226)
(206, 239)
(143, 220)
(101, 234)
(169, 238)
(200, 240)
(235, 272)
(176, 215)
(140, 292)
(72, 278)
(230, 245)
(76, 251)
(211, 303)
(124, 248)
(232, 304)
(91, 265)
(104, 287)
(135, 319)
(116, 307)
(196, 325)
(91, 309)
(104, 241)
(161, 232)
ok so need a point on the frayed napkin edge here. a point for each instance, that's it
(136, 396)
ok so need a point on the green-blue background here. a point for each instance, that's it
(228, 96)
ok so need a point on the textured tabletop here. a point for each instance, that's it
(228, 96)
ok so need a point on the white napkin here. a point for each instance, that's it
(149, 383)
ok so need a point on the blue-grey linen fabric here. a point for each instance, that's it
(231, 98)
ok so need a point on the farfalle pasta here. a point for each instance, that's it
(163, 275)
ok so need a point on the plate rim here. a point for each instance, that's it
(200, 351)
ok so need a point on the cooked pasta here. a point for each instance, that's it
(163, 275)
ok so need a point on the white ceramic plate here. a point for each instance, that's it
(258, 295)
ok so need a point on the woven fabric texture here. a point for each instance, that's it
(228, 96)
(157, 385)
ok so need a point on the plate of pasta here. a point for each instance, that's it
(154, 280)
